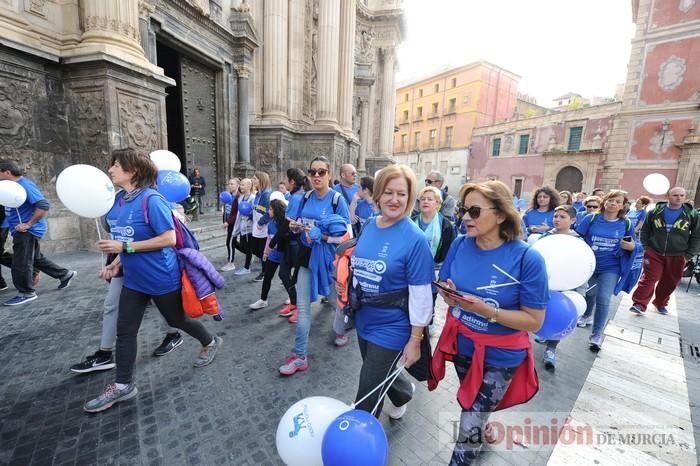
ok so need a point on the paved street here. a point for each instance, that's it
(226, 413)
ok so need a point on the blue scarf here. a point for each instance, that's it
(432, 232)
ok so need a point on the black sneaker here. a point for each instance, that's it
(170, 342)
(259, 278)
(65, 281)
(100, 361)
(3, 286)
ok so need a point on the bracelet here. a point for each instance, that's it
(416, 337)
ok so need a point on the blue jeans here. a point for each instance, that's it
(599, 297)
(301, 339)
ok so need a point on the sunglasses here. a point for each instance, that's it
(429, 181)
(319, 172)
(592, 207)
(473, 211)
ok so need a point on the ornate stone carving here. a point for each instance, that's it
(661, 142)
(364, 52)
(138, 122)
(265, 153)
(15, 114)
(146, 9)
(671, 73)
(243, 71)
(686, 5)
(319, 151)
(38, 7)
(244, 7)
(310, 60)
(104, 23)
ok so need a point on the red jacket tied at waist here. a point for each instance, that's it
(524, 384)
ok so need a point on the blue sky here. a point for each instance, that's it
(557, 46)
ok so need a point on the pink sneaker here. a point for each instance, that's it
(341, 340)
(294, 363)
(287, 310)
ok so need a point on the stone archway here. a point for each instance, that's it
(569, 179)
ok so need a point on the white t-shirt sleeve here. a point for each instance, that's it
(420, 304)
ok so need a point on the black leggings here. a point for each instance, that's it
(269, 269)
(289, 280)
(230, 243)
(132, 305)
(243, 244)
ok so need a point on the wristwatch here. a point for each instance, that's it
(127, 247)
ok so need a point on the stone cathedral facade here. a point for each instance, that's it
(230, 86)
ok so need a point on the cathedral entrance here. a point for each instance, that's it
(190, 108)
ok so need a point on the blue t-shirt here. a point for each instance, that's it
(534, 218)
(295, 201)
(315, 209)
(389, 259)
(275, 255)
(603, 236)
(671, 215)
(364, 210)
(154, 272)
(578, 205)
(636, 216)
(26, 210)
(479, 273)
(347, 193)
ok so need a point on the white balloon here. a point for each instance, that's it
(656, 183)
(570, 261)
(533, 238)
(301, 429)
(85, 190)
(166, 160)
(578, 300)
(12, 194)
(278, 195)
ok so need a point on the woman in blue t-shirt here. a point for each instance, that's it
(639, 214)
(609, 234)
(142, 228)
(392, 267)
(315, 207)
(503, 288)
(540, 216)
(362, 207)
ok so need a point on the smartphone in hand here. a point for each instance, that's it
(627, 238)
(457, 295)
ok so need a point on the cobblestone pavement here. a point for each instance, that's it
(226, 413)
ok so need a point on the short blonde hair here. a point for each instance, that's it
(436, 192)
(501, 197)
(387, 174)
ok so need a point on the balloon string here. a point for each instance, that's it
(99, 236)
(383, 393)
(18, 215)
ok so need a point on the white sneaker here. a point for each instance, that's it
(242, 271)
(259, 304)
(396, 412)
(228, 267)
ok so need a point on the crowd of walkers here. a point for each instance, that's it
(410, 244)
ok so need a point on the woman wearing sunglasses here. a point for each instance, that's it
(393, 271)
(315, 206)
(498, 292)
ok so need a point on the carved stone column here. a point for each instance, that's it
(295, 98)
(328, 46)
(386, 135)
(275, 59)
(147, 37)
(243, 116)
(364, 133)
(111, 27)
(347, 63)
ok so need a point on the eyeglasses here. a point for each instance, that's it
(592, 206)
(428, 181)
(473, 211)
(319, 172)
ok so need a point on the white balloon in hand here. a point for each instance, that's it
(12, 194)
(570, 261)
(166, 160)
(85, 190)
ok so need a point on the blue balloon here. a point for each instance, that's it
(174, 186)
(245, 208)
(560, 317)
(226, 198)
(353, 438)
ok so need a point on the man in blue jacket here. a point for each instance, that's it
(671, 236)
(27, 224)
